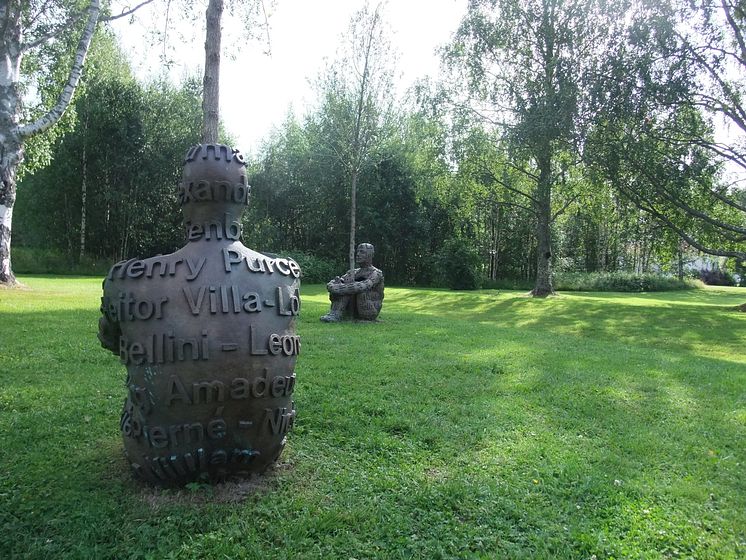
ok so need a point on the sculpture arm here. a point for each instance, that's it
(355, 287)
(109, 330)
(338, 281)
(108, 334)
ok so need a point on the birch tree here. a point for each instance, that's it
(357, 102)
(254, 20)
(675, 86)
(211, 81)
(26, 27)
(521, 65)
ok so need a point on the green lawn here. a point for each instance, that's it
(463, 425)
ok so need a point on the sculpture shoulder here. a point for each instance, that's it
(135, 268)
(373, 274)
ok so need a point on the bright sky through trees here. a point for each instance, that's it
(257, 90)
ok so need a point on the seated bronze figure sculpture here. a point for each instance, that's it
(358, 295)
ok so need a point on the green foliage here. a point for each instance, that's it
(315, 270)
(126, 148)
(391, 218)
(298, 195)
(465, 425)
(357, 98)
(31, 260)
(621, 282)
(356, 92)
(716, 277)
(436, 172)
(45, 70)
(673, 78)
(300, 199)
(459, 265)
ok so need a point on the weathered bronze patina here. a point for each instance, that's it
(208, 338)
(359, 295)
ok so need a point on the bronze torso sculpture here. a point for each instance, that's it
(359, 296)
(208, 338)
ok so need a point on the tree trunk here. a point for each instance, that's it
(543, 205)
(11, 147)
(358, 154)
(353, 212)
(10, 157)
(211, 81)
(496, 237)
(83, 192)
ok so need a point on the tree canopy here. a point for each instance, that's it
(566, 136)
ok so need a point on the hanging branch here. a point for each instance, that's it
(56, 112)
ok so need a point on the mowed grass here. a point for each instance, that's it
(463, 425)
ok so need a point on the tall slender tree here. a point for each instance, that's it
(254, 19)
(357, 92)
(211, 82)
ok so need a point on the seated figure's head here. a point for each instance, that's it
(364, 254)
(213, 184)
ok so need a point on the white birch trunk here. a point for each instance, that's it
(11, 152)
(56, 112)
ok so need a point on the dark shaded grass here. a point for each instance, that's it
(476, 425)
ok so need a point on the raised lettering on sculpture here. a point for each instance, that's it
(278, 420)
(134, 268)
(162, 348)
(285, 267)
(176, 466)
(207, 334)
(209, 191)
(128, 307)
(213, 391)
(221, 299)
(287, 344)
(216, 229)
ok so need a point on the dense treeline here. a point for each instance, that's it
(109, 191)
(609, 165)
(421, 213)
(301, 202)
